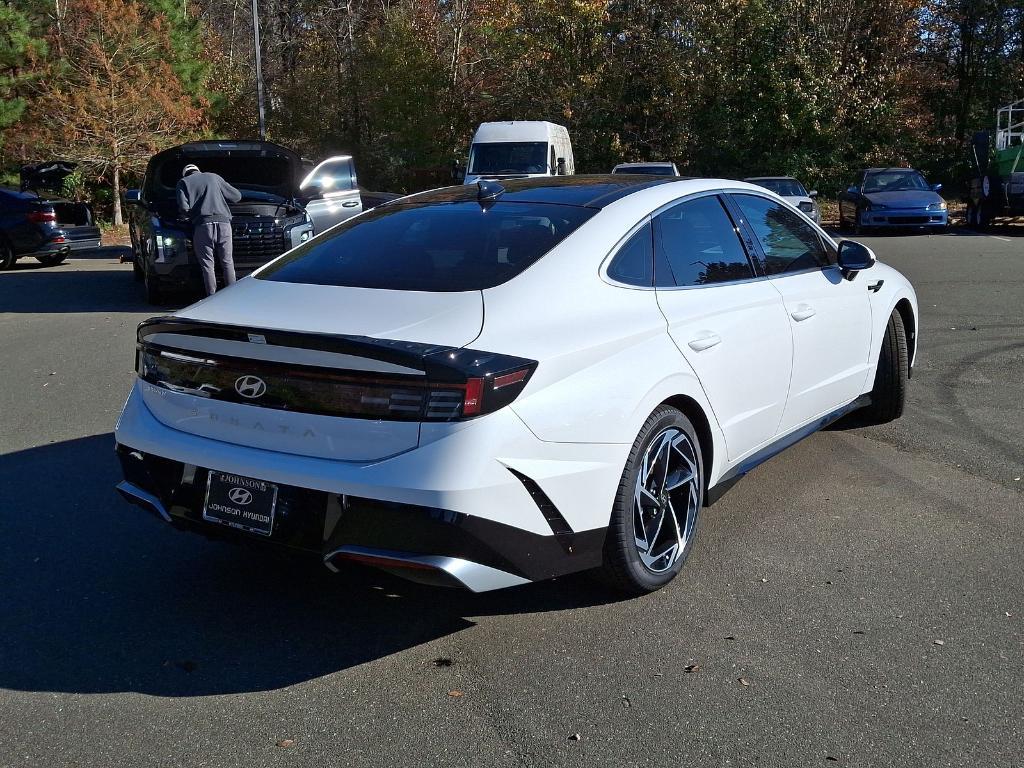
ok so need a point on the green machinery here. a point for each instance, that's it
(996, 188)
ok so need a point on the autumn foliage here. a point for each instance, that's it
(112, 98)
(814, 88)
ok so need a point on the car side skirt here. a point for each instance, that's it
(731, 476)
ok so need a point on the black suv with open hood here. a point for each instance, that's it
(269, 219)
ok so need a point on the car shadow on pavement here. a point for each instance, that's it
(100, 597)
(39, 289)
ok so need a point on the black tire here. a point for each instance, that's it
(858, 228)
(154, 293)
(52, 260)
(890, 391)
(7, 257)
(624, 568)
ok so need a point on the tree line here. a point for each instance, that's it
(813, 88)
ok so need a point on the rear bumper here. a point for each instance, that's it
(67, 246)
(448, 512)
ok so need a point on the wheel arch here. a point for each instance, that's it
(906, 311)
(695, 413)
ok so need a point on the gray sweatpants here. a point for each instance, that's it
(211, 240)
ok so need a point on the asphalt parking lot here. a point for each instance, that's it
(856, 601)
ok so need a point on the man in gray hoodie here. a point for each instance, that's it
(203, 198)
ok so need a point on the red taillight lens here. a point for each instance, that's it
(472, 401)
(41, 217)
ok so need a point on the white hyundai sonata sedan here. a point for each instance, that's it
(488, 385)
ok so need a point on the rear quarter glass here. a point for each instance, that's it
(439, 247)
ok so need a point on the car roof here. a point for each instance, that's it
(665, 163)
(770, 178)
(893, 168)
(590, 191)
(23, 195)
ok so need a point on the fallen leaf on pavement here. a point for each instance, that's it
(691, 668)
(286, 742)
(743, 681)
(455, 694)
(939, 642)
(575, 737)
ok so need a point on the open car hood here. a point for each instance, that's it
(255, 167)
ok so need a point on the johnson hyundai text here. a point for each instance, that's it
(504, 382)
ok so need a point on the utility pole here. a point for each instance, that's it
(259, 69)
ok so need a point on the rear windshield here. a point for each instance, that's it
(430, 247)
(646, 170)
(783, 187)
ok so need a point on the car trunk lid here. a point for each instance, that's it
(292, 383)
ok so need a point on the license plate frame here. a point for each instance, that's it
(255, 515)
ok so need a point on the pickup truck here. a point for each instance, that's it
(285, 201)
(34, 223)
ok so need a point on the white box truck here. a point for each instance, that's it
(519, 149)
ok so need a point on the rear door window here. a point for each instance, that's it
(696, 242)
(434, 247)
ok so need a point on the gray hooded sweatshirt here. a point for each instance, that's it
(204, 197)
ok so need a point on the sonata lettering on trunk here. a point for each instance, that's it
(282, 429)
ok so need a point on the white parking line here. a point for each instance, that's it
(1004, 239)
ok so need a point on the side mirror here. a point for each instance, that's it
(936, 187)
(312, 191)
(852, 190)
(132, 196)
(813, 193)
(854, 257)
(562, 168)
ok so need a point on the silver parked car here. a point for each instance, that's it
(660, 168)
(792, 191)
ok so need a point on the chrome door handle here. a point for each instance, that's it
(704, 341)
(349, 204)
(802, 313)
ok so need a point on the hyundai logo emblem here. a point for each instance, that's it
(239, 496)
(250, 386)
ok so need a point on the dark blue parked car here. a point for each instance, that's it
(891, 197)
(33, 223)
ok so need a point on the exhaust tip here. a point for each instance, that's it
(434, 570)
(140, 498)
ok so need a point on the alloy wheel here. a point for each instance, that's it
(666, 499)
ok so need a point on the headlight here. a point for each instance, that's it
(937, 206)
(171, 247)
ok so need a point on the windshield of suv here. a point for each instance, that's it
(430, 247)
(509, 157)
(891, 181)
(782, 187)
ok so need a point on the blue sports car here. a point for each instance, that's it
(891, 197)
